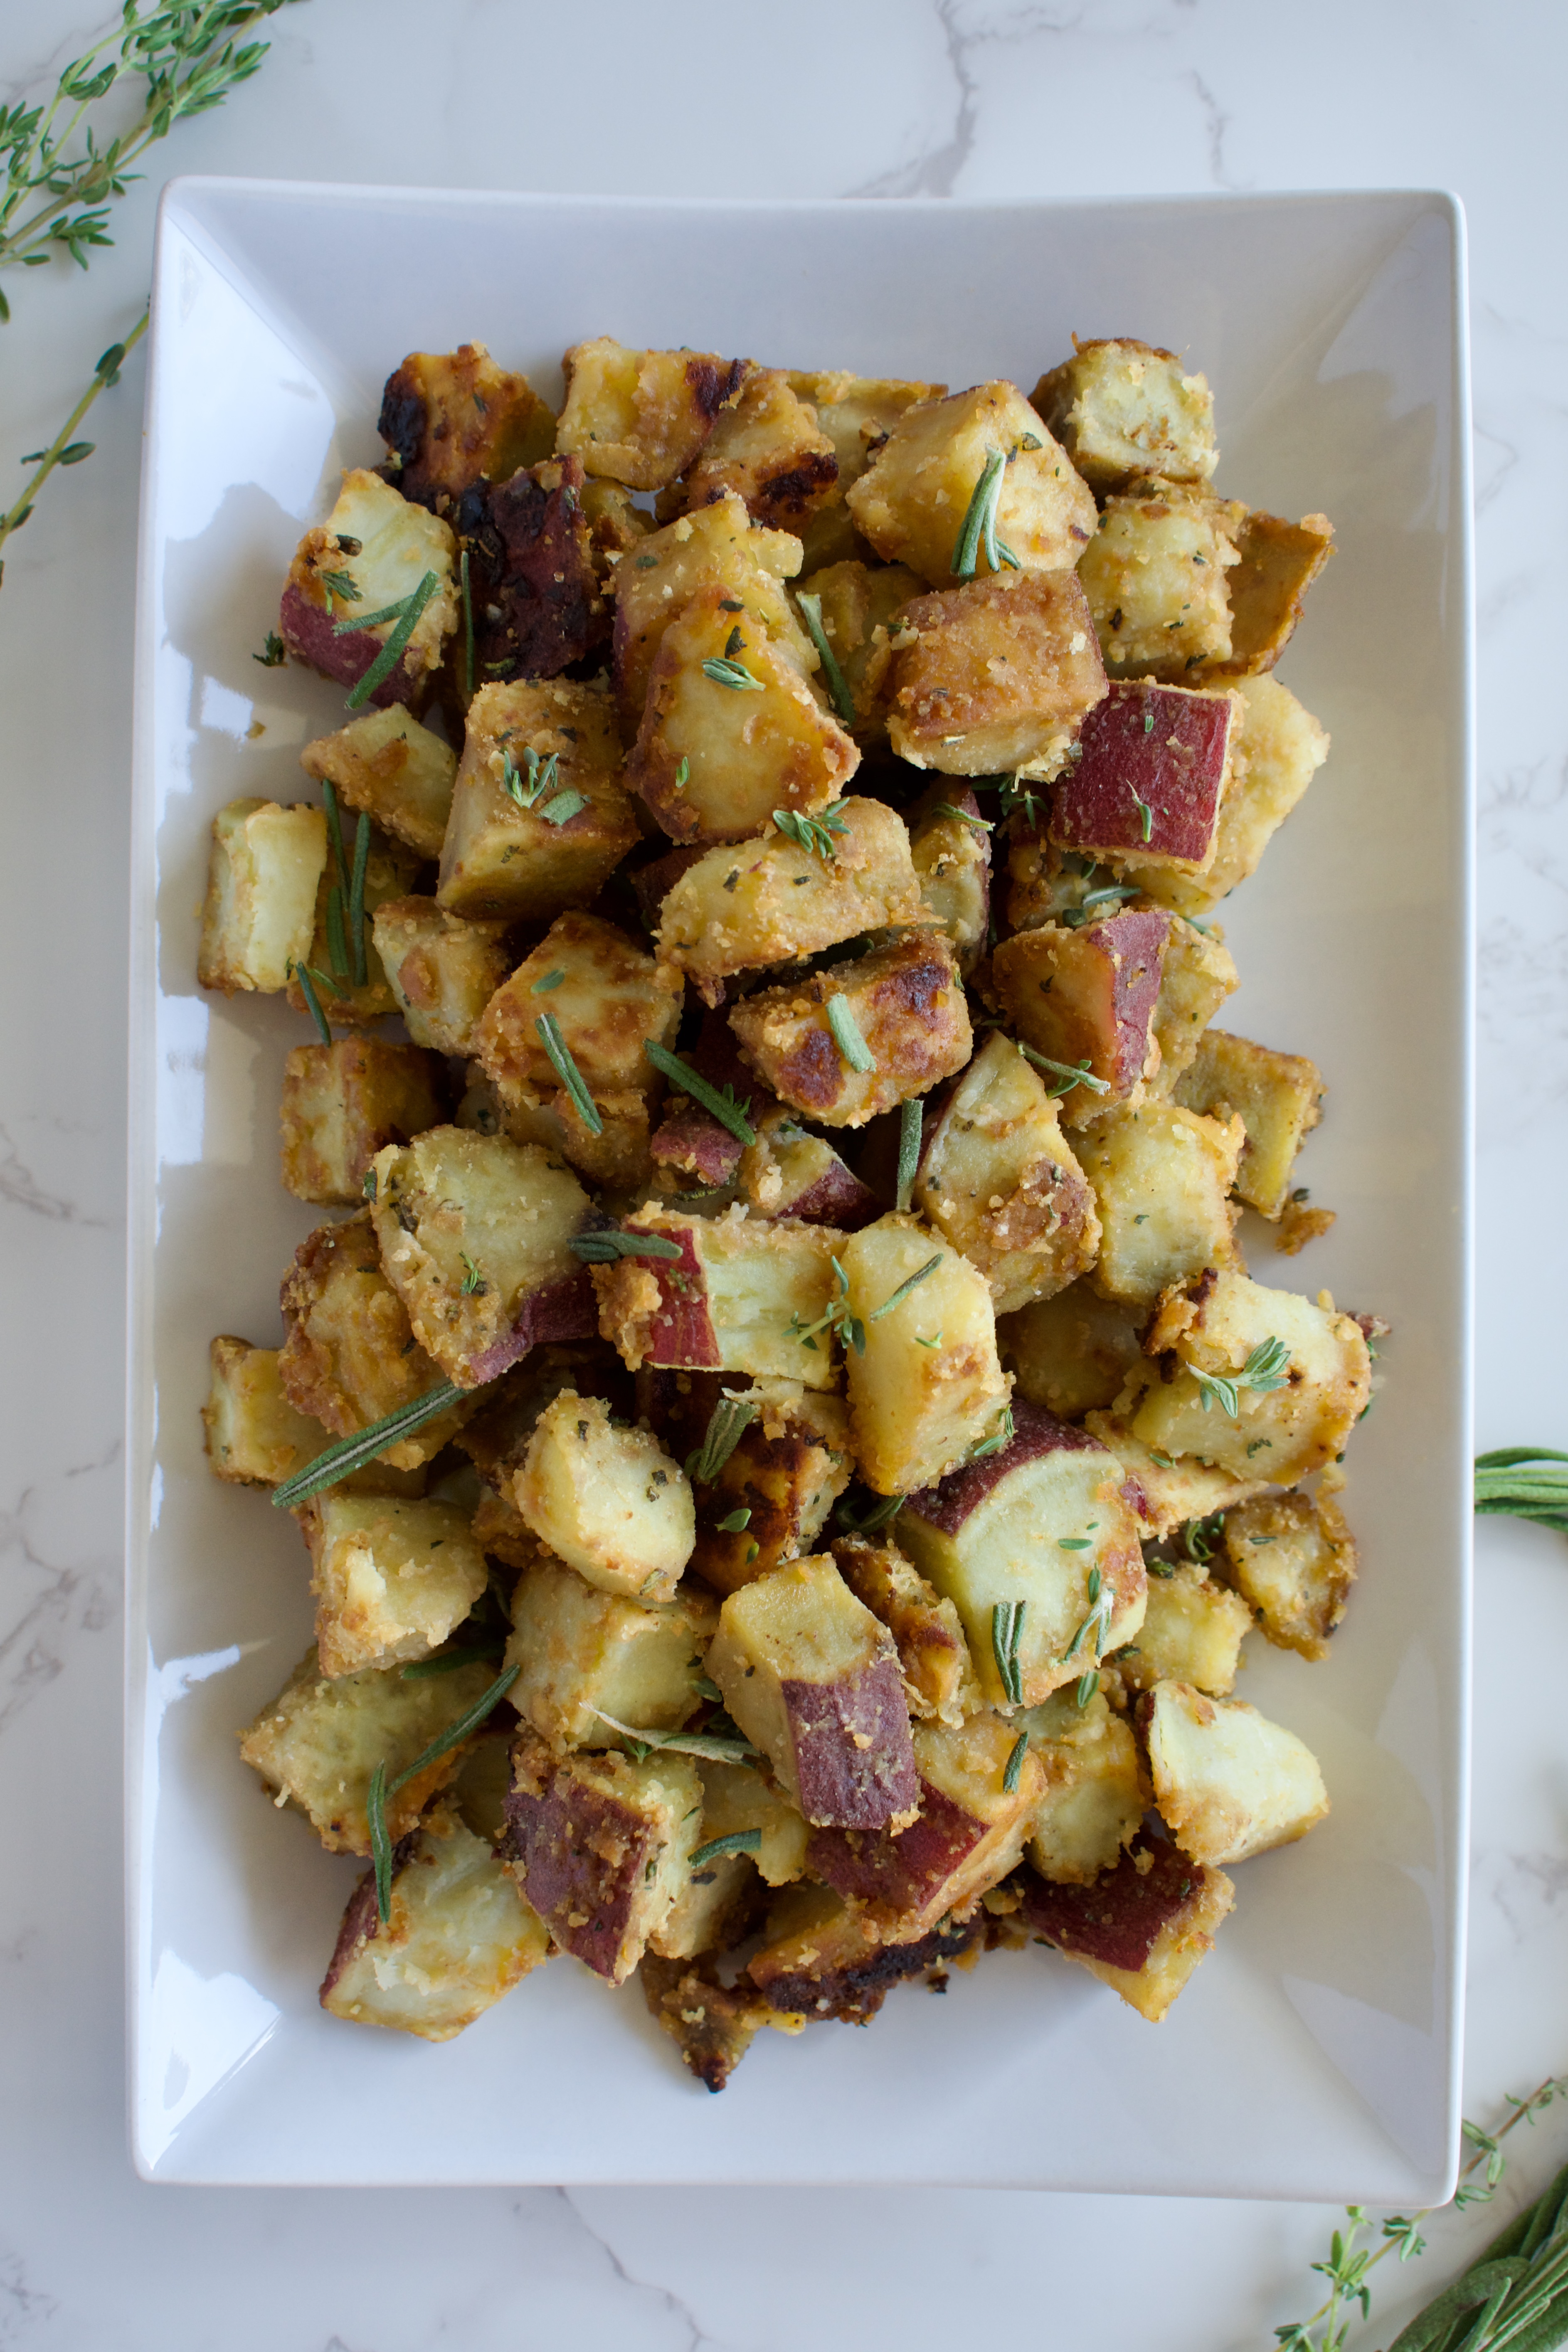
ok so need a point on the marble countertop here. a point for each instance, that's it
(952, 98)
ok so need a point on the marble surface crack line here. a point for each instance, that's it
(31, 1653)
(935, 170)
(20, 1187)
(698, 2337)
(1218, 122)
(22, 2307)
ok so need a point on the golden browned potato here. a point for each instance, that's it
(606, 998)
(769, 450)
(1193, 1630)
(1154, 578)
(1229, 1782)
(540, 815)
(254, 1437)
(1167, 1490)
(607, 1499)
(790, 1172)
(951, 853)
(926, 1385)
(590, 1659)
(343, 1103)
(391, 1577)
(1197, 975)
(859, 602)
(1276, 1097)
(737, 1299)
(1086, 998)
(913, 498)
(1071, 1352)
(994, 675)
(1293, 1561)
(389, 870)
(1119, 408)
(617, 1156)
(1141, 1928)
(734, 1797)
(856, 412)
(371, 555)
(451, 418)
(859, 1038)
(396, 771)
(348, 1356)
(260, 916)
(1096, 1792)
(1162, 1178)
(640, 417)
(717, 547)
(771, 1499)
(1279, 561)
(933, 1656)
(442, 970)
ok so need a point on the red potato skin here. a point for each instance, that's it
(561, 1310)
(837, 1198)
(362, 1920)
(1116, 1920)
(580, 1884)
(841, 1783)
(692, 1141)
(1107, 1013)
(947, 1505)
(681, 1329)
(306, 630)
(1133, 945)
(1163, 745)
(899, 1873)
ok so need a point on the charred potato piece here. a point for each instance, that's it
(540, 815)
(608, 1501)
(736, 1300)
(1162, 1178)
(997, 674)
(768, 449)
(859, 1039)
(1293, 1562)
(640, 417)
(1276, 1097)
(263, 872)
(452, 418)
(771, 1499)
(1071, 1352)
(601, 1847)
(821, 1958)
(925, 1384)
(391, 1578)
(343, 1103)
(591, 1659)
(1279, 561)
(1141, 1928)
(348, 1356)
(442, 970)
(394, 770)
(712, 2026)
(933, 1656)
(1154, 578)
(606, 998)
(533, 586)
(1229, 1782)
(1121, 408)
(372, 553)
(1086, 998)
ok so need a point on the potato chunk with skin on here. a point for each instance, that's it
(442, 970)
(1095, 1792)
(1167, 1490)
(459, 1936)
(912, 499)
(452, 418)
(394, 770)
(1276, 1097)
(517, 844)
(1162, 1178)
(997, 1179)
(951, 847)
(343, 1103)
(389, 870)
(1154, 578)
(859, 602)
(534, 581)
(790, 1172)
(714, 1909)
(1045, 1522)
(1147, 779)
(1193, 1630)
(905, 1000)
(348, 1356)
(1229, 1782)
(996, 674)
(1279, 561)
(735, 1301)
(927, 1386)
(1071, 1352)
(735, 1797)
(1141, 1928)
(717, 547)
(856, 412)
(254, 1436)
(607, 999)
(391, 1578)
(1121, 408)
(586, 1656)
(371, 552)
(610, 1502)
(1088, 996)
(933, 1656)
(602, 1847)
(640, 417)
(260, 916)
(768, 449)
(730, 730)
(787, 1470)
(316, 1744)
(812, 1679)
(1196, 977)
(1293, 1561)
(769, 901)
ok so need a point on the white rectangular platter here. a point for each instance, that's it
(1315, 2053)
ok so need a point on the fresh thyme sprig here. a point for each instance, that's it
(845, 1326)
(353, 1452)
(604, 1248)
(566, 1070)
(898, 1297)
(838, 691)
(381, 1788)
(1265, 1370)
(1002, 1437)
(1097, 1624)
(733, 674)
(723, 1106)
(1006, 1632)
(815, 833)
(847, 1034)
(727, 1425)
(911, 1121)
(1524, 1482)
(65, 451)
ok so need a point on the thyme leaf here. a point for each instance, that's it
(815, 833)
(732, 673)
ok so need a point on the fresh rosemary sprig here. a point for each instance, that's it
(842, 699)
(301, 973)
(727, 1425)
(63, 450)
(1006, 1632)
(604, 1248)
(566, 1070)
(845, 1328)
(1524, 1482)
(866, 1523)
(1070, 1074)
(847, 1034)
(356, 900)
(978, 533)
(898, 1297)
(273, 654)
(353, 1452)
(1097, 1624)
(912, 1116)
(381, 1788)
(721, 1106)
(1265, 1370)
(396, 643)
(1091, 905)
(815, 833)
(945, 808)
(732, 673)
(737, 1842)
(1015, 1765)
(714, 1749)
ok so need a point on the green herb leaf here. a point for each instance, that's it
(273, 653)
(301, 973)
(737, 1842)
(912, 1115)
(563, 807)
(847, 1034)
(353, 1452)
(727, 1425)
(396, 643)
(711, 1748)
(736, 1523)
(1265, 1370)
(604, 1248)
(566, 1070)
(814, 834)
(980, 519)
(839, 690)
(474, 1284)
(1071, 1075)
(552, 980)
(723, 1106)
(356, 901)
(381, 1788)
(1014, 1766)
(1006, 1632)
(732, 673)
(945, 808)
(898, 1297)
(866, 1523)
(342, 585)
(996, 1444)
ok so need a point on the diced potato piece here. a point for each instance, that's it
(1293, 1561)
(933, 1656)
(534, 581)
(856, 412)
(820, 1957)
(768, 449)
(1167, 1490)
(1042, 1521)
(715, 548)
(1119, 408)
(586, 1655)
(790, 1172)
(496, 1435)
(1197, 976)
(788, 1469)
(1095, 1793)
(771, 900)
(712, 1910)
(1088, 996)
(349, 1355)
(617, 1156)
(1071, 1352)
(736, 1797)
(1192, 1632)
(255, 1437)
(735, 1301)
(502, 1533)
(969, 1834)
(451, 418)
(609, 1501)
(1147, 778)
(813, 1680)
(1279, 561)
(1141, 1928)
(459, 1936)
(912, 499)
(997, 674)
(859, 602)
(316, 1744)
(343, 1103)
(260, 911)
(1325, 1380)
(391, 1578)
(712, 2025)
(929, 1385)
(1162, 1178)
(371, 552)
(951, 853)
(1154, 578)
(1276, 1097)
(998, 1181)
(441, 969)
(607, 997)
(601, 1847)
(394, 770)
(905, 1000)
(505, 857)
(1229, 1782)
(730, 730)
(640, 417)
(689, 1141)
(389, 870)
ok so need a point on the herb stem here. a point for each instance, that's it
(397, 638)
(723, 1106)
(62, 451)
(381, 1788)
(353, 1452)
(847, 1034)
(842, 700)
(904, 1288)
(566, 1070)
(356, 900)
(910, 1126)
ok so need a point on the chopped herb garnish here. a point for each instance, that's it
(337, 938)
(301, 973)
(904, 1288)
(563, 807)
(979, 527)
(353, 1452)
(683, 774)
(1073, 1543)
(927, 1343)
(474, 1284)
(1014, 1766)
(716, 1751)
(1006, 1632)
(727, 1425)
(392, 651)
(542, 775)
(607, 1248)
(342, 585)
(842, 699)
(732, 673)
(737, 1842)
(910, 1125)
(273, 653)
(723, 1106)
(381, 1788)
(847, 1327)
(1003, 1437)
(945, 808)
(566, 1070)
(847, 1034)
(887, 1508)
(815, 833)
(552, 980)
(734, 642)
(1145, 817)
(1263, 1371)
(1087, 1686)
(356, 901)
(1070, 1074)
(736, 1522)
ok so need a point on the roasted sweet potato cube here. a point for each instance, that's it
(912, 499)
(459, 1936)
(609, 1501)
(348, 1356)
(1293, 1561)
(616, 1155)
(527, 838)
(1071, 1352)
(1167, 1490)
(997, 1179)
(768, 449)
(790, 1172)
(1121, 408)
(1193, 1630)
(591, 1659)
(396, 771)
(859, 602)
(343, 1102)
(736, 1797)
(969, 1833)
(316, 1744)
(856, 412)
(1276, 1097)
(372, 553)
(1094, 1791)
(933, 1656)
(255, 1437)
(1279, 561)
(997, 674)
(452, 418)
(714, 1910)
(474, 1233)
(1043, 1522)
(534, 590)
(1154, 578)
(771, 900)
(1229, 1782)
(601, 1847)
(717, 547)
(736, 1300)
(927, 1385)
(640, 417)
(259, 917)
(899, 1010)
(771, 1499)
(1197, 976)
(820, 1957)
(812, 1679)
(389, 870)
(607, 999)
(1087, 997)
(1162, 1178)
(1141, 1928)
(1148, 777)
(391, 1578)
(442, 970)
(951, 852)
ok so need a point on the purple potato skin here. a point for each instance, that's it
(839, 1782)
(1159, 748)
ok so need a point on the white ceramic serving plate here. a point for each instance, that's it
(1315, 2055)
